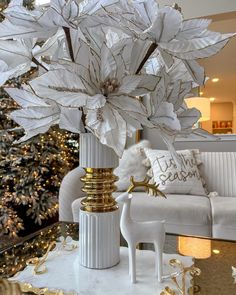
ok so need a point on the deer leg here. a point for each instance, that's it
(158, 260)
(130, 259)
(132, 262)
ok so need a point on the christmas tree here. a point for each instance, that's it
(30, 173)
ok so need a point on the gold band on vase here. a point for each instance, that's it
(99, 184)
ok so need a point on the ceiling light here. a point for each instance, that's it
(214, 80)
(212, 98)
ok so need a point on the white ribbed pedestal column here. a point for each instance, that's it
(99, 237)
(99, 229)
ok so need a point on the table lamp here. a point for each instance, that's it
(198, 248)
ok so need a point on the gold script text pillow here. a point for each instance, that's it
(174, 178)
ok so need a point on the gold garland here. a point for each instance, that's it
(13, 259)
(17, 288)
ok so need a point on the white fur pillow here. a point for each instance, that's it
(173, 178)
(131, 164)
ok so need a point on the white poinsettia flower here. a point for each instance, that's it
(101, 85)
(176, 93)
(20, 22)
(38, 115)
(166, 106)
(90, 7)
(186, 40)
(165, 115)
(161, 112)
(23, 23)
(70, 119)
(186, 71)
(54, 48)
(6, 72)
(96, 58)
(15, 58)
(43, 23)
(146, 20)
(188, 118)
(62, 86)
(117, 93)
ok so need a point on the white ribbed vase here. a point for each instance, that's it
(99, 239)
(99, 245)
(93, 154)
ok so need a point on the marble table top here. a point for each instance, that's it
(65, 273)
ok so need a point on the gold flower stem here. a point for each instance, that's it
(194, 271)
(39, 262)
(99, 186)
(168, 291)
(43, 260)
(183, 283)
(177, 285)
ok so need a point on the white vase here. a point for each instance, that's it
(99, 245)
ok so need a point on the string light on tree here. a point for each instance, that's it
(30, 173)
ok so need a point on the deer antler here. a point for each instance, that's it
(150, 188)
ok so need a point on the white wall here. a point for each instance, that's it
(222, 111)
(197, 8)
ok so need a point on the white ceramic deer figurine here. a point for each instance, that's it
(136, 232)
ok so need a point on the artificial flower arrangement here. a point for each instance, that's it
(105, 66)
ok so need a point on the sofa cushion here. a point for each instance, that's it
(223, 217)
(184, 214)
(175, 178)
(219, 171)
(131, 164)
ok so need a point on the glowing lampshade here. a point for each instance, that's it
(198, 248)
(202, 104)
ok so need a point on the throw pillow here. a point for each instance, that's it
(131, 164)
(174, 178)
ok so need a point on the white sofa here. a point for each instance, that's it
(184, 214)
